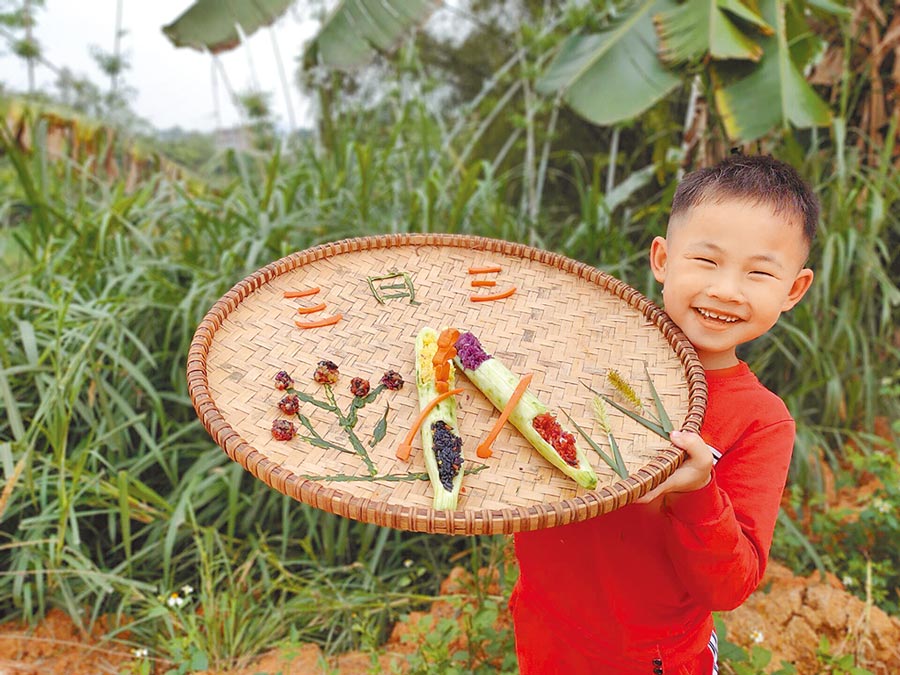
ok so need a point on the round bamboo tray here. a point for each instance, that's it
(566, 322)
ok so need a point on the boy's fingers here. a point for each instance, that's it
(693, 472)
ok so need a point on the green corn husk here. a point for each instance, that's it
(497, 383)
(444, 411)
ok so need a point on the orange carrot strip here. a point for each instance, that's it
(496, 296)
(301, 294)
(441, 386)
(485, 270)
(476, 283)
(442, 356)
(448, 338)
(310, 310)
(321, 322)
(442, 372)
(484, 448)
(405, 447)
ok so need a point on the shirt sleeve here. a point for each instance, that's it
(719, 536)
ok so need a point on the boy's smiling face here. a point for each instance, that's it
(728, 271)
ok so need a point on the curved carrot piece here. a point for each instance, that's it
(485, 270)
(301, 294)
(476, 283)
(310, 310)
(484, 448)
(405, 447)
(496, 296)
(321, 322)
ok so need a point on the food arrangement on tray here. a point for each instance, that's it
(511, 388)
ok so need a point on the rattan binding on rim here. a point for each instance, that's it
(567, 322)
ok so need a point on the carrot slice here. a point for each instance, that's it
(310, 310)
(405, 447)
(442, 372)
(485, 270)
(496, 296)
(447, 338)
(477, 283)
(484, 448)
(321, 322)
(441, 386)
(301, 294)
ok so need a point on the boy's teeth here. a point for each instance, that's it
(713, 315)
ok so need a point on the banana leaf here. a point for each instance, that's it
(211, 25)
(614, 75)
(689, 31)
(359, 29)
(775, 94)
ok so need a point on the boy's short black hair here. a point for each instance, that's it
(755, 178)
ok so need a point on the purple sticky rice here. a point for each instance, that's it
(470, 352)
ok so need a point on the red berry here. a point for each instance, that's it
(283, 380)
(290, 404)
(392, 380)
(359, 387)
(326, 372)
(283, 430)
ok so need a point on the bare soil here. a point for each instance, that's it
(787, 616)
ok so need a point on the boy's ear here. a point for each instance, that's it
(801, 284)
(659, 255)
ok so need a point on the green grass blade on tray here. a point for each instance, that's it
(603, 419)
(653, 426)
(661, 414)
(615, 465)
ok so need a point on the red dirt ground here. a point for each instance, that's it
(790, 616)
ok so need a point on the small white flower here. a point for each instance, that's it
(848, 581)
(407, 563)
(187, 589)
(882, 505)
(140, 652)
(175, 601)
(756, 637)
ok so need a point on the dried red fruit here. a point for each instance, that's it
(283, 430)
(283, 380)
(326, 372)
(359, 387)
(290, 404)
(392, 380)
(563, 442)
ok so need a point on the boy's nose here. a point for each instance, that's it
(726, 287)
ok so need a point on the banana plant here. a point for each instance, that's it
(723, 38)
(747, 51)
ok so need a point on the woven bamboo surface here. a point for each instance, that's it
(567, 323)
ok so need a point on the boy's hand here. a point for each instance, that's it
(694, 473)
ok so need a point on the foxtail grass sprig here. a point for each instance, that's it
(623, 386)
(659, 424)
(603, 419)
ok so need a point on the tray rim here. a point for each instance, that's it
(426, 519)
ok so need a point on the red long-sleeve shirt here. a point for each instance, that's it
(631, 592)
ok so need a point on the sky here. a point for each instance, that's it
(174, 85)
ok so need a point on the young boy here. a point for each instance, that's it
(631, 592)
